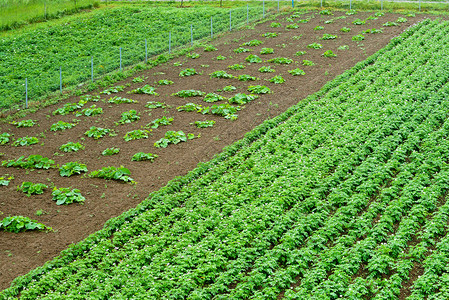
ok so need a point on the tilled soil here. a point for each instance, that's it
(19, 253)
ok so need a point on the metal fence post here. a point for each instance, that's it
(381, 4)
(263, 9)
(293, 3)
(350, 4)
(419, 5)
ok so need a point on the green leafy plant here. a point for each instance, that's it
(236, 67)
(358, 37)
(246, 77)
(171, 137)
(26, 141)
(190, 107)
(5, 180)
(67, 196)
(358, 22)
(266, 69)
(68, 108)
(192, 55)
(140, 156)
(30, 188)
(165, 82)
(120, 100)
(212, 97)
(326, 12)
(189, 93)
(136, 135)
(220, 74)
(351, 12)
(204, 124)
(91, 98)
(209, 48)
(275, 25)
(115, 89)
(292, 26)
(155, 104)
(188, 72)
(18, 224)
(23, 123)
(270, 34)
(401, 20)
(5, 138)
(220, 57)
(129, 117)
(229, 88)
(267, 51)
(299, 53)
(97, 132)
(253, 59)
(277, 79)
(318, 28)
(297, 37)
(242, 98)
(113, 173)
(315, 46)
(327, 36)
(241, 50)
(225, 110)
(72, 168)
(71, 147)
(345, 29)
(379, 14)
(138, 79)
(252, 43)
(163, 121)
(390, 24)
(373, 30)
(259, 89)
(281, 60)
(110, 151)
(329, 21)
(146, 89)
(303, 21)
(343, 47)
(61, 125)
(297, 72)
(93, 110)
(31, 162)
(306, 62)
(329, 53)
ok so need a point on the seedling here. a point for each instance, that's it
(270, 34)
(253, 43)
(329, 53)
(26, 141)
(61, 125)
(24, 123)
(209, 48)
(315, 46)
(220, 57)
(140, 156)
(212, 97)
(204, 124)
(136, 135)
(72, 168)
(93, 110)
(30, 188)
(277, 79)
(97, 132)
(267, 51)
(221, 74)
(306, 62)
(110, 151)
(266, 69)
(5, 138)
(164, 121)
(188, 72)
(172, 137)
(71, 147)
(281, 60)
(190, 107)
(67, 196)
(242, 98)
(236, 67)
(297, 72)
(241, 50)
(146, 89)
(253, 59)
(120, 100)
(114, 89)
(246, 77)
(259, 89)
(165, 82)
(129, 117)
(18, 224)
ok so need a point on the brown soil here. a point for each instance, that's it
(19, 253)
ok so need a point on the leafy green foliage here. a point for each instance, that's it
(165, 82)
(140, 156)
(343, 47)
(224, 109)
(252, 43)
(129, 117)
(72, 147)
(241, 50)
(326, 12)
(281, 60)
(110, 151)
(5, 138)
(351, 12)
(4, 180)
(358, 22)
(204, 124)
(26, 141)
(345, 29)
(292, 26)
(188, 72)
(136, 135)
(113, 173)
(146, 89)
(189, 93)
(212, 97)
(299, 53)
(61, 125)
(24, 123)
(315, 46)
(236, 67)
(358, 37)
(192, 55)
(297, 71)
(68, 108)
(329, 53)
(270, 34)
(114, 89)
(242, 98)
(303, 21)
(30, 188)
(72, 168)
(327, 36)
(267, 51)
(155, 104)
(163, 121)
(246, 77)
(266, 69)
(171, 137)
(259, 89)
(31, 162)
(306, 62)
(229, 88)
(275, 24)
(277, 79)
(120, 100)
(253, 59)
(89, 98)
(220, 74)
(401, 20)
(138, 79)
(318, 28)
(18, 224)
(67, 196)
(97, 132)
(390, 24)
(210, 48)
(220, 57)
(190, 107)
(93, 110)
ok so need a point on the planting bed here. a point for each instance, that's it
(19, 253)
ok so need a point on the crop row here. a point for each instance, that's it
(305, 200)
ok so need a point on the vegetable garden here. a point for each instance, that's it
(342, 195)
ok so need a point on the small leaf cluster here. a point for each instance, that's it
(72, 147)
(26, 141)
(129, 117)
(171, 137)
(93, 110)
(113, 173)
(23, 123)
(136, 135)
(31, 162)
(67, 196)
(110, 151)
(30, 188)
(189, 93)
(97, 132)
(18, 224)
(114, 89)
(72, 168)
(120, 100)
(163, 121)
(146, 89)
(61, 125)
(140, 156)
